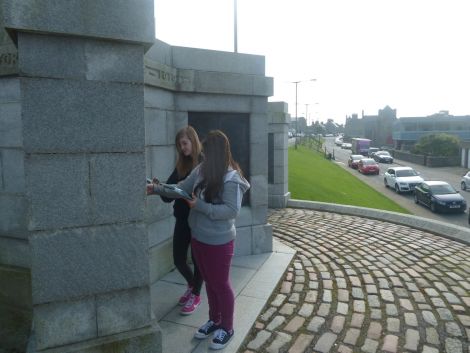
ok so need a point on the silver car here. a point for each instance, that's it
(465, 182)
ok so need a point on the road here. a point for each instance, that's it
(452, 175)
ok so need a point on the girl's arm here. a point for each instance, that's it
(173, 179)
(186, 184)
(228, 209)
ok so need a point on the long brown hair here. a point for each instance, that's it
(184, 164)
(217, 160)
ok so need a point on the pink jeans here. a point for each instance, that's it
(214, 264)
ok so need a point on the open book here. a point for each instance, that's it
(170, 190)
(177, 190)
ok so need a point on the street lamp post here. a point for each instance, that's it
(235, 29)
(296, 117)
(306, 112)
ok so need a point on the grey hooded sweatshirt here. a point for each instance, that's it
(214, 223)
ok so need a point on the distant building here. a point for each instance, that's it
(408, 130)
(331, 127)
(299, 124)
(353, 127)
(377, 128)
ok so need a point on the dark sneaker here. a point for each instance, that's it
(221, 338)
(206, 329)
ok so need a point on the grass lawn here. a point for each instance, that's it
(312, 177)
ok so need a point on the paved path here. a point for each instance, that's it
(360, 285)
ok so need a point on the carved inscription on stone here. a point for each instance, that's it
(164, 76)
(8, 55)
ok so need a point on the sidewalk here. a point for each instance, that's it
(253, 278)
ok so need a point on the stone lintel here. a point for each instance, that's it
(186, 80)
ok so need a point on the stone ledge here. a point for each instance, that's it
(148, 339)
(446, 230)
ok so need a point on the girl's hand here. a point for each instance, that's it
(191, 203)
(155, 181)
(149, 189)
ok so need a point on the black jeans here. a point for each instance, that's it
(181, 244)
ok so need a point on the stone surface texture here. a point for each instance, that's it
(278, 125)
(72, 169)
(408, 269)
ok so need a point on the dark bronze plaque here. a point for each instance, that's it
(237, 128)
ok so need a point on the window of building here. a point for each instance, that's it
(409, 126)
(442, 126)
(460, 126)
(425, 126)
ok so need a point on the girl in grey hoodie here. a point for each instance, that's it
(217, 187)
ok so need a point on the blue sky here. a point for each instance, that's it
(413, 55)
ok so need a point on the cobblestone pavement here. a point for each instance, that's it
(361, 285)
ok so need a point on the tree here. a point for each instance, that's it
(318, 128)
(330, 127)
(442, 145)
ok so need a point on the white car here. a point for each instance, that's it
(346, 146)
(402, 179)
(465, 182)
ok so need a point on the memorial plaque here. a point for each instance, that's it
(237, 128)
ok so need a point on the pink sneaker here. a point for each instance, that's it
(191, 305)
(184, 298)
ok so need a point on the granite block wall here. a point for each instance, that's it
(278, 127)
(12, 185)
(73, 165)
(16, 309)
(161, 122)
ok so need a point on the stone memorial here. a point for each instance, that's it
(90, 103)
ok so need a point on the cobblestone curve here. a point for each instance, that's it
(361, 285)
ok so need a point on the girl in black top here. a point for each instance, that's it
(188, 147)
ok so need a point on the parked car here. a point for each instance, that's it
(371, 151)
(439, 196)
(402, 179)
(368, 166)
(338, 141)
(346, 146)
(465, 182)
(354, 160)
(383, 157)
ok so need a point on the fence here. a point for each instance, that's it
(428, 161)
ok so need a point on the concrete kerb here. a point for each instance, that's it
(453, 232)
